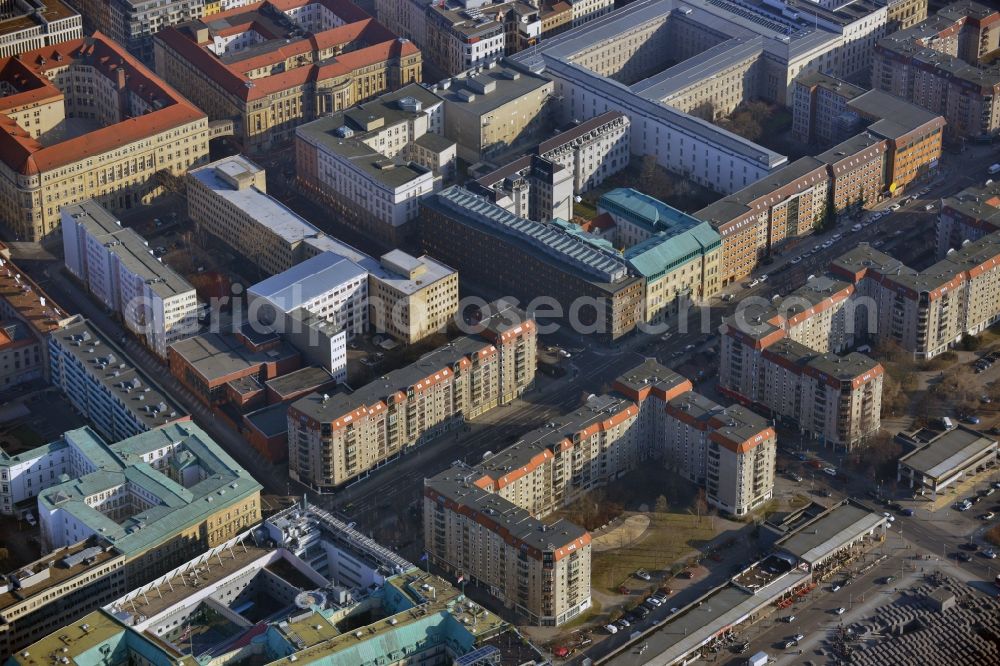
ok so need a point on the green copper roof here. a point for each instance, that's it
(207, 480)
(646, 211)
(664, 252)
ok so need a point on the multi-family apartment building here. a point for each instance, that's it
(412, 297)
(116, 516)
(528, 259)
(540, 570)
(969, 215)
(228, 201)
(787, 203)
(496, 109)
(270, 66)
(26, 25)
(540, 186)
(899, 144)
(913, 135)
(333, 438)
(926, 312)
(678, 256)
(483, 520)
(104, 385)
(857, 172)
(785, 360)
(373, 163)
(139, 135)
(944, 64)
(118, 268)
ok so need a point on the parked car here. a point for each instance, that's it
(623, 623)
(642, 574)
(989, 554)
(797, 637)
(840, 611)
(611, 629)
(788, 619)
(835, 587)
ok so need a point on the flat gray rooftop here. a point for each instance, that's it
(948, 452)
(102, 359)
(830, 531)
(696, 625)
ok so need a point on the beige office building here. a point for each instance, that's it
(143, 136)
(496, 110)
(413, 297)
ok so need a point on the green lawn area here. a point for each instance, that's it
(585, 210)
(670, 537)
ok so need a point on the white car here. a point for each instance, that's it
(835, 587)
(795, 260)
(840, 611)
(894, 207)
(763, 277)
(754, 283)
(564, 353)
(837, 237)
(830, 470)
(989, 554)
(611, 629)
(827, 244)
(888, 516)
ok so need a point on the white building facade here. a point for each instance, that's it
(117, 267)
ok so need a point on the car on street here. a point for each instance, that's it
(907, 512)
(889, 516)
(989, 515)
(611, 629)
(688, 348)
(835, 587)
(894, 207)
(797, 637)
(788, 619)
(789, 644)
(974, 420)
(963, 557)
(642, 574)
(763, 277)
(969, 545)
(623, 623)
(795, 260)
(832, 471)
(839, 611)
(753, 283)
(887, 580)
(989, 554)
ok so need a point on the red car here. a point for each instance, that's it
(815, 464)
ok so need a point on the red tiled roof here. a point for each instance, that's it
(378, 44)
(27, 156)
